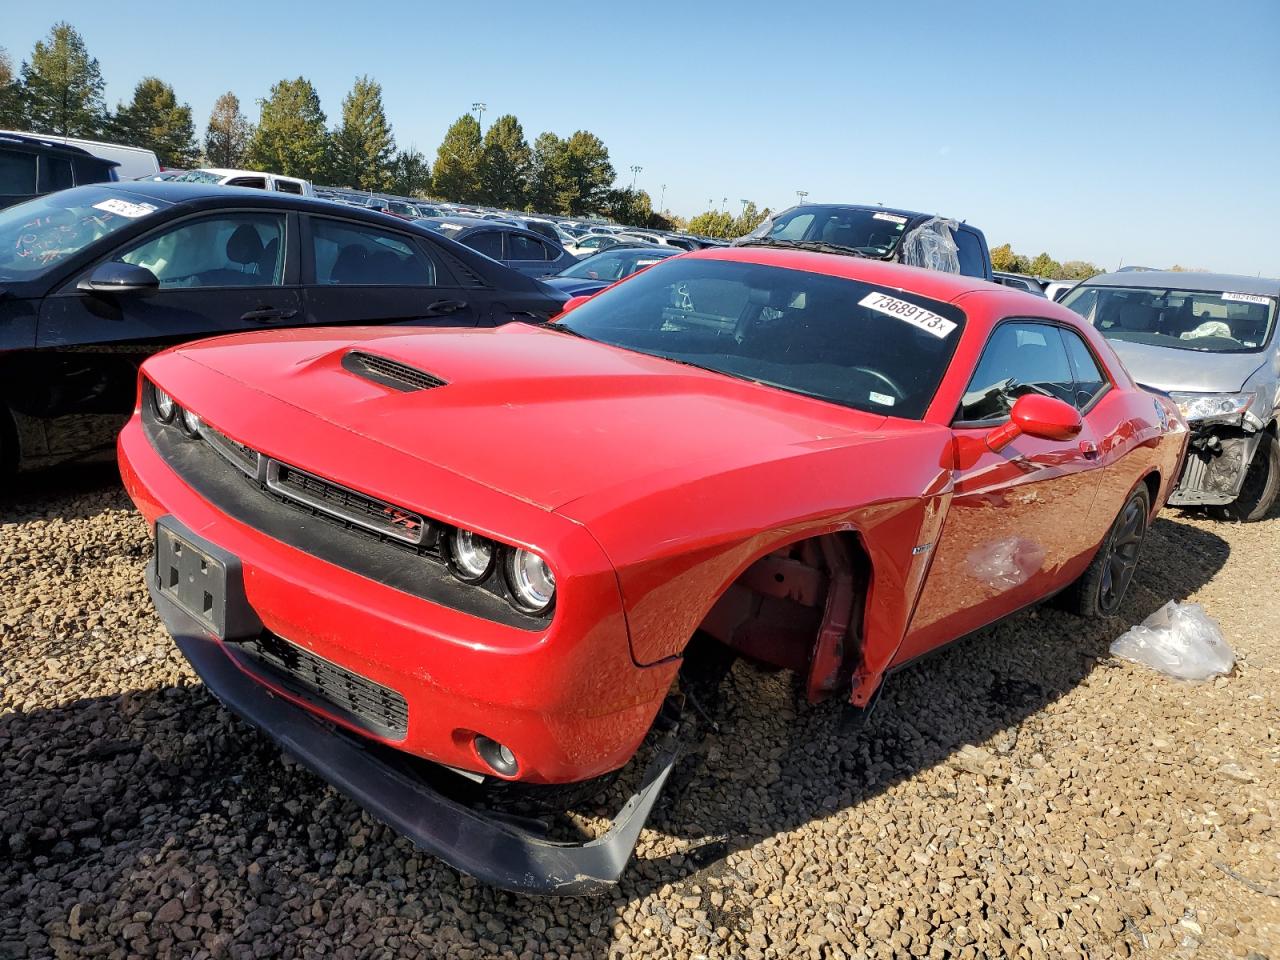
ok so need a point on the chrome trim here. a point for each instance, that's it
(274, 467)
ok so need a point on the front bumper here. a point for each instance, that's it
(1215, 466)
(493, 851)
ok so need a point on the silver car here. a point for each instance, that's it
(1209, 341)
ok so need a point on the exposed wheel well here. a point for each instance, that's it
(799, 607)
(1152, 480)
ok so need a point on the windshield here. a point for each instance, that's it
(838, 340)
(45, 231)
(614, 264)
(874, 233)
(1209, 321)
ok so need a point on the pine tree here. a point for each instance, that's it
(588, 173)
(410, 174)
(363, 147)
(154, 119)
(456, 174)
(547, 186)
(62, 86)
(504, 164)
(227, 137)
(291, 137)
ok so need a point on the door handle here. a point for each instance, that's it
(268, 313)
(442, 308)
(1089, 449)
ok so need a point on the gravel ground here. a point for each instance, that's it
(1020, 794)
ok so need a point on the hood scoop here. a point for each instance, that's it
(388, 372)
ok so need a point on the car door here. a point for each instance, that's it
(1019, 517)
(358, 273)
(529, 255)
(218, 273)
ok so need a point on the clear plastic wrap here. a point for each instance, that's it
(1179, 640)
(932, 245)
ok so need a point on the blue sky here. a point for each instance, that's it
(1140, 132)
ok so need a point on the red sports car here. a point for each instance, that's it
(423, 558)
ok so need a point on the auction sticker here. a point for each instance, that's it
(124, 208)
(1246, 298)
(891, 217)
(916, 316)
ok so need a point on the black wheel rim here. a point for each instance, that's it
(1122, 554)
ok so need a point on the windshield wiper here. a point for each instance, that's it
(561, 328)
(817, 246)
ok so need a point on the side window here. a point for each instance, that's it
(288, 186)
(55, 174)
(90, 170)
(488, 242)
(969, 250)
(17, 173)
(1022, 357)
(1084, 369)
(795, 229)
(231, 250)
(526, 248)
(351, 253)
(258, 183)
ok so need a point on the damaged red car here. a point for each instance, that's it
(480, 555)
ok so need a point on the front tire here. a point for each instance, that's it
(1102, 587)
(1261, 483)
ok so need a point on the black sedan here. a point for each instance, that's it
(609, 266)
(518, 248)
(96, 278)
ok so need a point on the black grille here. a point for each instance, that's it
(371, 705)
(343, 502)
(388, 372)
(246, 458)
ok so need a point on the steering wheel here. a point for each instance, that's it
(898, 392)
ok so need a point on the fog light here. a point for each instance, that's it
(497, 755)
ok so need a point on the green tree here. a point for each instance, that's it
(1044, 266)
(1002, 258)
(410, 174)
(1079, 270)
(713, 223)
(634, 208)
(62, 86)
(10, 94)
(588, 174)
(227, 137)
(456, 174)
(748, 220)
(547, 181)
(363, 147)
(154, 119)
(505, 162)
(291, 137)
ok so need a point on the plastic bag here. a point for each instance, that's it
(1179, 640)
(932, 246)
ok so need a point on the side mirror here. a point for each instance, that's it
(116, 277)
(573, 302)
(1036, 415)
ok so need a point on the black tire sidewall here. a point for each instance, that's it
(1248, 507)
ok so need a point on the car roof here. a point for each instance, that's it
(1187, 280)
(936, 284)
(33, 141)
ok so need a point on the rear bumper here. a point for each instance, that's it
(493, 851)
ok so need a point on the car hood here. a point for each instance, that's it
(542, 416)
(1193, 371)
(575, 286)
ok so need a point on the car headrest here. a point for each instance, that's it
(244, 246)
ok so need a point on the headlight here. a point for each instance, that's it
(531, 581)
(470, 556)
(1212, 406)
(191, 423)
(163, 404)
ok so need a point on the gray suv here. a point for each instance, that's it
(1209, 341)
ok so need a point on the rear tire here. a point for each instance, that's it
(1102, 587)
(1261, 483)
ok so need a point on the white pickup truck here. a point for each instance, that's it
(245, 178)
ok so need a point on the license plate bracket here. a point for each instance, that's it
(204, 580)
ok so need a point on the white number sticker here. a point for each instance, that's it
(1246, 298)
(891, 217)
(929, 322)
(881, 398)
(124, 208)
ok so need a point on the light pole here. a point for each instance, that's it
(479, 107)
(802, 194)
(744, 206)
(635, 170)
(724, 202)
(662, 202)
